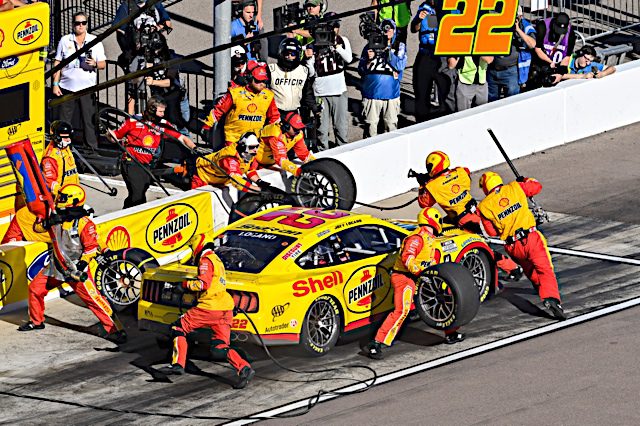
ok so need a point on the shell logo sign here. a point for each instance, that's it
(1, 37)
(172, 228)
(504, 202)
(27, 31)
(367, 288)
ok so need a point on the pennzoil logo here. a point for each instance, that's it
(27, 31)
(172, 227)
(367, 288)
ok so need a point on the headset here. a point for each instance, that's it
(153, 104)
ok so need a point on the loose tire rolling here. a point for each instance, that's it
(119, 280)
(477, 262)
(446, 296)
(253, 203)
(325, 183)
(321, 326)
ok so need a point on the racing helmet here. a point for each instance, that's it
(288, 47)
(70, 195)
(489, 181)
(247, 146)
(61, 132)
(430, 216)
(199, 241)
(292, 120)
(238, 56)
(437, 162)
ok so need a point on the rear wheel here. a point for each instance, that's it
(478, 264)
(446, 296)
(325, 183)
(120, 279)
(321, 326)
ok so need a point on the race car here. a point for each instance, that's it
(308, 275)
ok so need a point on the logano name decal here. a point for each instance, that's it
(302, 288)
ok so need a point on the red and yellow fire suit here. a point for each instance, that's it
(231, 170)
(245, 111)
(59, 168)
(505, 211)
(78, 239)
(214, 310)
(274, 145)
(451, 189)
(23, 227)
(416, 254)
(143, 138)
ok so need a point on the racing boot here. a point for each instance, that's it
(554, 308)
(453, 337)
(374, 350)
(31, 326)
(172, 370)
(245, 375)
(515, 274)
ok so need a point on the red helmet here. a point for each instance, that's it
(260, 74)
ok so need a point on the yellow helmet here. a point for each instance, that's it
(430, 216)
(489, 181)
(199, 241)
(70, 195)
(436, 162)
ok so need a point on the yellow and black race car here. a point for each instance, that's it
(306, 275)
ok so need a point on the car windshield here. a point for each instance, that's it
(250, 251)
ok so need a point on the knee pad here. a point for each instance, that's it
(219, 350)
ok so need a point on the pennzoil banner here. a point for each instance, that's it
(159, 230)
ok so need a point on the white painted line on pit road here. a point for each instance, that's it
(115, 182)
(581, 253)
(441, 361)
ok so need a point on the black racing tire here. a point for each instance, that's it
(446, 296)
(321, 326)
(477, 262)
(119, 280)
(253, 203)
(325, 183)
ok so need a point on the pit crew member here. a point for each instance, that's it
(416, 254)
(214, 310)
(77, 242)
(247, 108)
(505, 214)
(451, 189)
(277, 139)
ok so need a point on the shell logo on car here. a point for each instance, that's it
(172, 227)
(27, 31)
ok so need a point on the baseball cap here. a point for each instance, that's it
(313, 2)
(260, 74)
(520, 11)
(561, 23)
(295, 121)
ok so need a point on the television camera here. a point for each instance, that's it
(287, 15)
(370, 31)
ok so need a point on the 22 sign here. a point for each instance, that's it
(476, 33)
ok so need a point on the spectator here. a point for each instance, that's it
(127, 35)
(555, 40)
(246, 108)
(503, 73)
(582, 65)
(525, 36)
(245, 27)
(472, 80)
(426, 69)
(327, 63)
(381, 72)
(400, 14)
(78, 75)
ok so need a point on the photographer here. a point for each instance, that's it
(400, 14)
(245, 27)
(582, 65)
(127, 35)
(381, 67)
(326, 60)
(315, 9)
(555, 40)
(78, 75)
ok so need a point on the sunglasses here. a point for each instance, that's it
(79, 23)
(252, 147)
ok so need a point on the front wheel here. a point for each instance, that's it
(120, 278)
(446, 296)
(321, 326)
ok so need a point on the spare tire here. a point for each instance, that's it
(120, 278)
(446, 296)
(255, 202)
(325, 183)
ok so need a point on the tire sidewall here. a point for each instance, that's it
(309, 347)
(485, 292)
(340, 177)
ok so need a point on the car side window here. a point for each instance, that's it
(380, 239)
(327, 252)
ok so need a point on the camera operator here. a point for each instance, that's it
(315, 9)
(245, 27)
(582, 65)
(127, 34)
(400, 14)
(326, 59)
(381, 67)
(555, 40)
(426, 71)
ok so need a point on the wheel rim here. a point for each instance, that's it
(322, 323)
(121, 282)
(315, 190)
(474, 264)
(436, 299)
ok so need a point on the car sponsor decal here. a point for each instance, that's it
(367, 288)
(259, 235)
(277, 327)
(9, 62)
(347, 224)
(27, 31)
(172, 228)
(449, 246)
(293, 323)
(293, 252)
(118, 238)
(278, 310)
(323, 233)
(37, 265)
(302, 288)
(6, 280)
(269, 229)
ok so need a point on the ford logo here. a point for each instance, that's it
(37, 265)
(9, 62)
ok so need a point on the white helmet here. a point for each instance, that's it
(247, 146)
